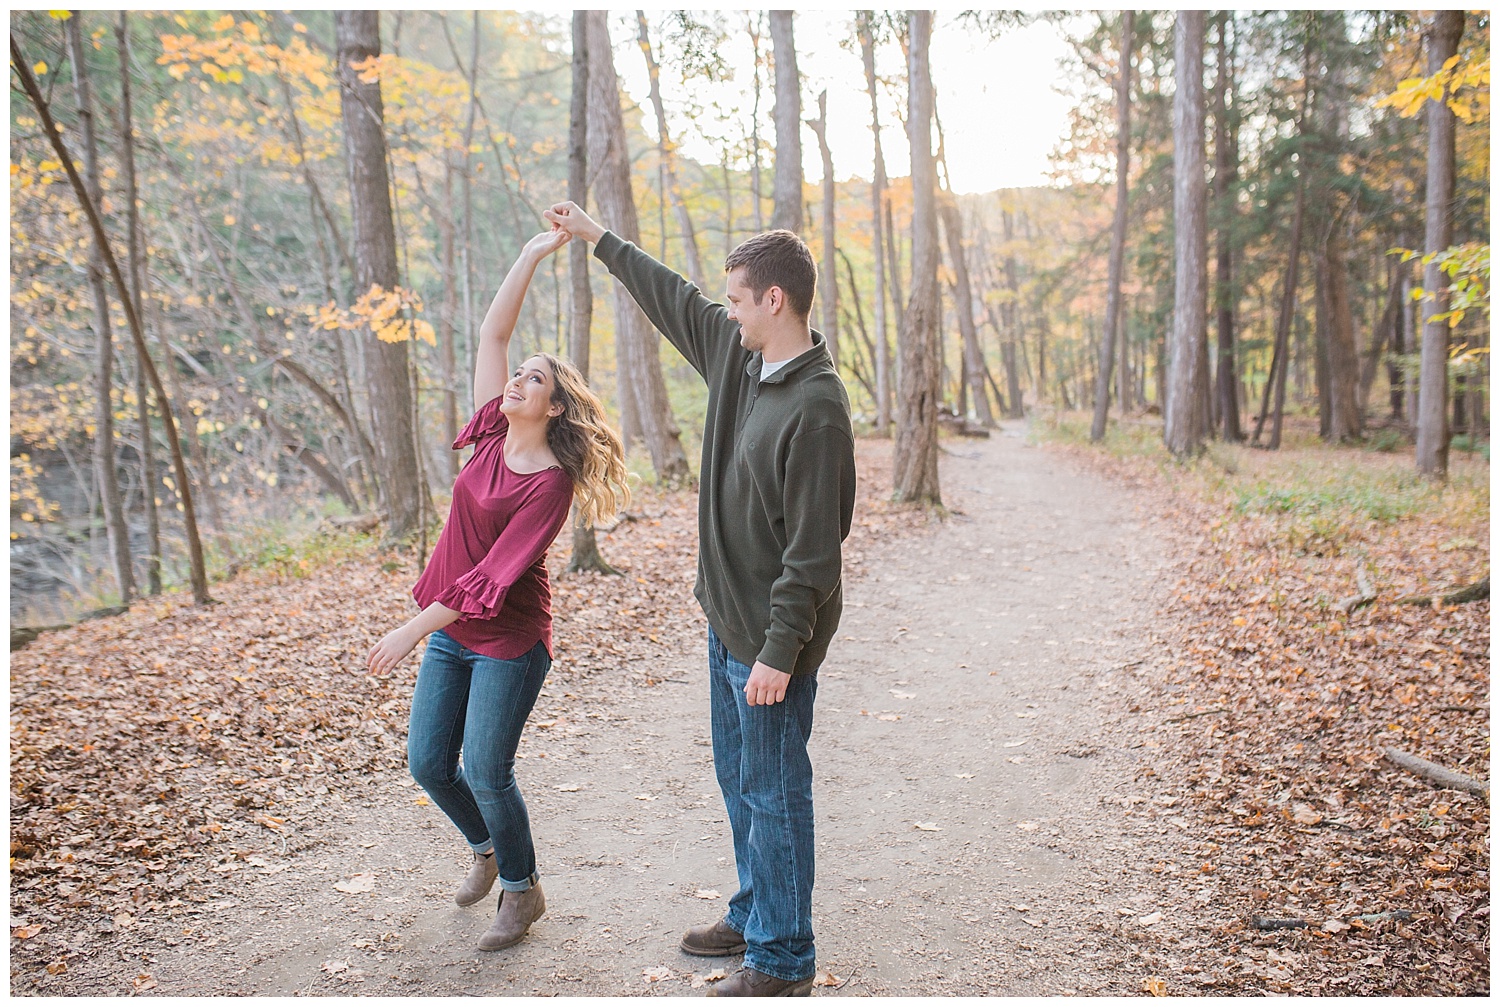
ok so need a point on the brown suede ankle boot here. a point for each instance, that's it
(480, 880)
(518, 910)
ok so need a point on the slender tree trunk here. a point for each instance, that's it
(1276, 376)
(1126, 390)
(1346, 419)
(671, 190)
(386, 364)
(1185, 427)
(106, 474)
(448, 333)
(755, 179)
(963, 307)
(787, 190)
(916, 469)
(864, 22)
(636, 342)
(586, 555)
(199, 574)
(1010, 312)
(1441, 36)
(1117, 232)
(136, 266)
(829, 294)
(1383, 335)
(1226, 177)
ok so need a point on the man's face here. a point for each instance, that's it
(754, 318)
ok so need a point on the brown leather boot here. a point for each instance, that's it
(749, 983)
(480, 880)
(517, 912)
(713, 940)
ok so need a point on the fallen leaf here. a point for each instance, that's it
(927, 826)
(369, 845)
(1335, 926)
(357, 885)
(1150, 919)
(657, 973)
(701, 981)
(1027, 826)
(1015, 744)
(333, 966)
(1022, 909)
(887, 716)
(1156, 987)
(964, 776)
(567, 788)
(421, 800)
(27, 932)
(143, 982)
(903, 695)
(1305, 815)
(645, 797)
(1017, 759)
(124, 920)
(707, 893)
(57, 968)
(826, 978)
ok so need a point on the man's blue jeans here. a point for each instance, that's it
(466, 701)
(760, 758)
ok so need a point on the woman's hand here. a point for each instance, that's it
(392, 650)
(546, 243)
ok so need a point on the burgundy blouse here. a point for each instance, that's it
(490, 563)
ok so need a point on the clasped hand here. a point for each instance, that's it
(766, 685)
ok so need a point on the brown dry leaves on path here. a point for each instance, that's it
(156, 754)
(1274, 708)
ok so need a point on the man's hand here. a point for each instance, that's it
(570, 217)
(766, 685)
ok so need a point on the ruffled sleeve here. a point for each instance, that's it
(487, 421)
(480, 593)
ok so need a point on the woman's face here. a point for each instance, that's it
(528, 393)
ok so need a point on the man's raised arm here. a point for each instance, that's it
(691, 322)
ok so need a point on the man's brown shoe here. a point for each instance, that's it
(713, 940)
(749, 983)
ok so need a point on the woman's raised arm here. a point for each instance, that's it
(491, 361)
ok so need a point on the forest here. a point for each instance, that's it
(312, 360)
(1201, 405)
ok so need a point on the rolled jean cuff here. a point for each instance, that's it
(775, 973)
(518, 886)
(488, 846)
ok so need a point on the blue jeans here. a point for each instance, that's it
(466, 701)
(760, 758)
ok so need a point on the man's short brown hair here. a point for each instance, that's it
(778, 259)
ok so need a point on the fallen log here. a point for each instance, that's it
(1441, 776)
(355, 522)
(1477, 591)
(1272, 923)
(1366, 594)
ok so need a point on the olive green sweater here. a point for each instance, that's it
(776, 491)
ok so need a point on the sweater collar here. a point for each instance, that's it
(818, 352)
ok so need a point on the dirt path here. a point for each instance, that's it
(980, 687)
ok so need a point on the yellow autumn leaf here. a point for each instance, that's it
(426, 333)
(229, 219)
(60, 15)
(40, 68)
(224, 23)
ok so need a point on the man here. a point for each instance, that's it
(776, 496)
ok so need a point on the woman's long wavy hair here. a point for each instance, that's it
(589, 451)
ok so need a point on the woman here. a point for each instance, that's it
(540, 444)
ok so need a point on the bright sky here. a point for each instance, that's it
(1001, 117)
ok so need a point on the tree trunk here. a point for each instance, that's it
(386, 364)
(963, 307)
(1185, 424)
(916, 455)
(1010, 312)
(786, 190)
(755, 28)
(1117, 232)
(1226, 175)
(829, 294)
(136, 266)
(1441, 35)
(199, 574)
(864, 26)
(586, 555)
(1346, 423)
(106, 476)
(671, 191)
(1384, 335)
(636, 342)
(1276, 377)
